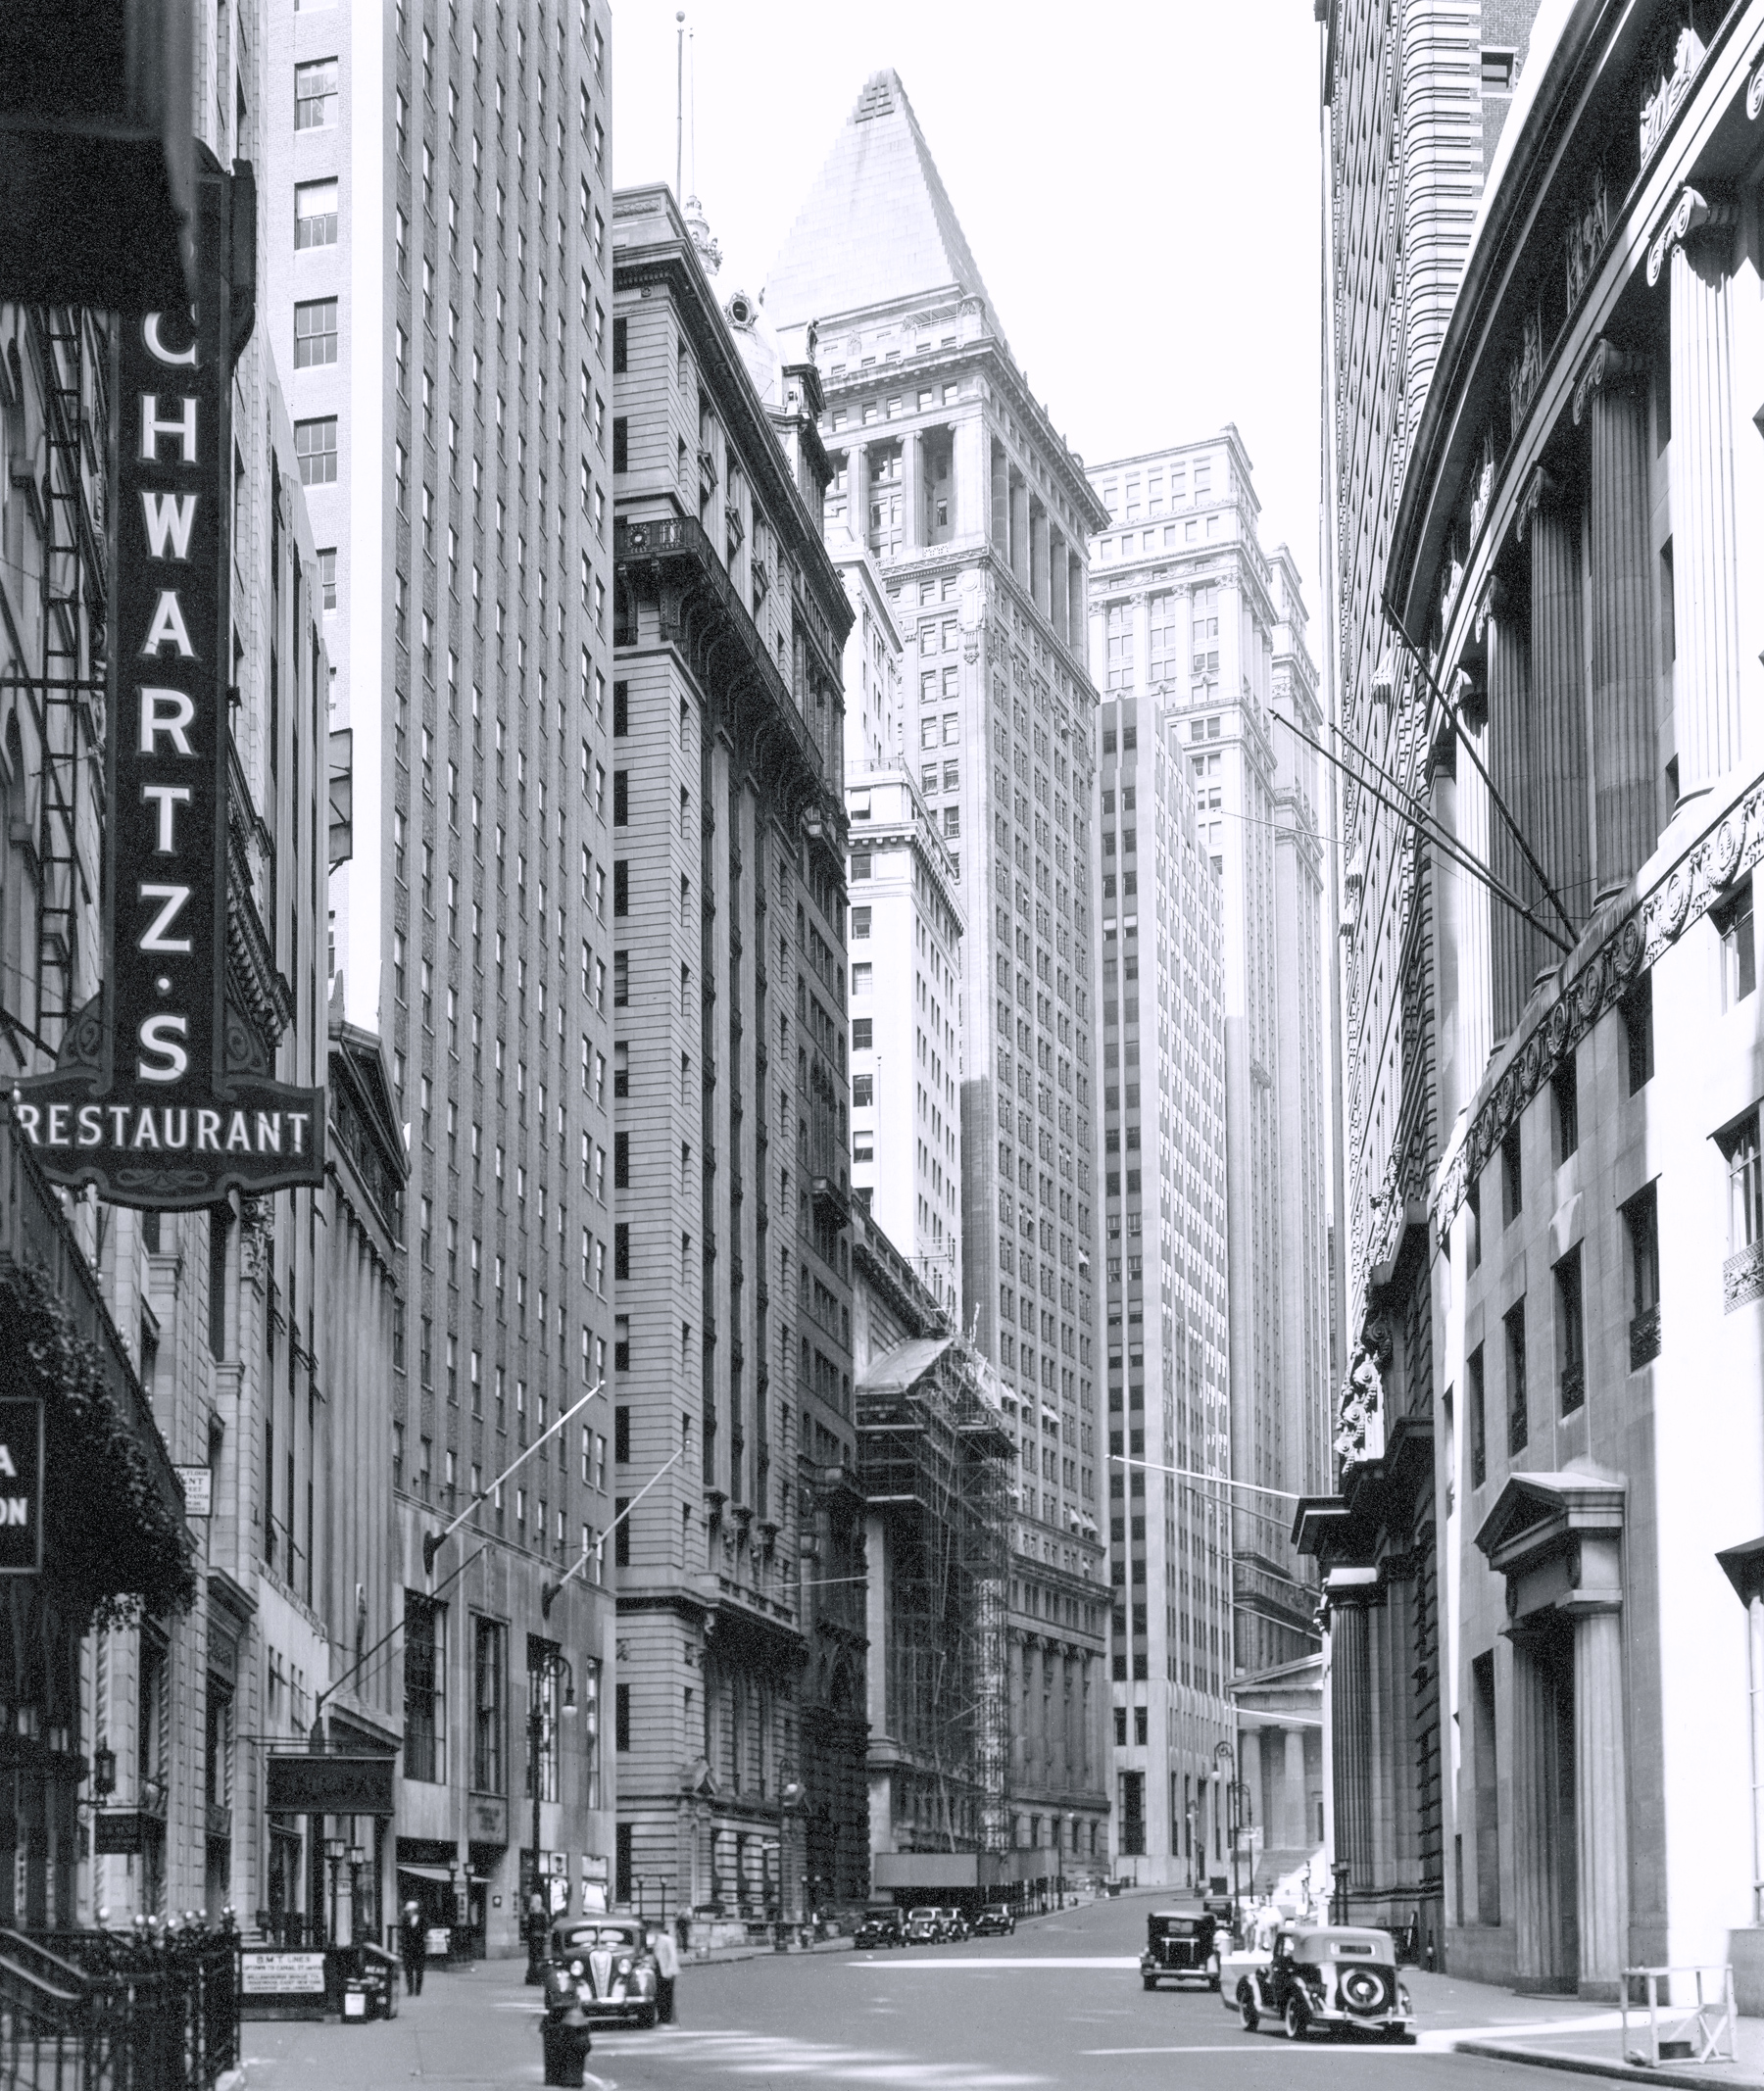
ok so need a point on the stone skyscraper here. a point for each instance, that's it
(978, 515)
(439, 288)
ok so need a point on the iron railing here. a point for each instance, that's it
(156, 2009)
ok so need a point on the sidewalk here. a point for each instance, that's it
(1563, 2034)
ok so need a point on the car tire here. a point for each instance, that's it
(1213, 1983)
(646, 2017)
(1247, 2014)
(1298, 2020)
(1148, 1981)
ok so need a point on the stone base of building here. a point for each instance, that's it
(1745, 1950)
(1480, 1953)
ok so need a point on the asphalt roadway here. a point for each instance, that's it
(1056, 2008)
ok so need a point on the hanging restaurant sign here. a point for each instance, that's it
(164, 1095)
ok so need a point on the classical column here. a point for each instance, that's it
(1295, 1832)
(1705, 579)
(971, 499)
(1019, 527)
(1612, 399)
(1253, 1803)
(857, 494)
(1514, 941)
(1558, 699)
(1351, 1702)
(1600, 1800)
(912, 491)
(1534, 1817)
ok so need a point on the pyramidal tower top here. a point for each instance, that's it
(878, 224)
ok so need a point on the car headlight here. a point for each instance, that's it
(576, 1966)
(1403, 2000)
(625, 1967)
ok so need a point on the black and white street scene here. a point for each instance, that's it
(865, 1223)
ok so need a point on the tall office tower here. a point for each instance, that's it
(740, 1707)
(439, 291)
(906, 933)
(1192, 611)
(977, 513)
(1413, 112)
(1166, 1299)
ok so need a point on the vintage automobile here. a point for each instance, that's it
(995, 1921)
(924, 1927)
(1328, 1979)
(956, 1924)
(1181, 1946)
(601, 1964)
(880, 1928)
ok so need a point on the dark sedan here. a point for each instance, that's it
(995, 1922)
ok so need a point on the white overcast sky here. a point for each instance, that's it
(1140, 183)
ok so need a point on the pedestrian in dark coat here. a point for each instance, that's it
(412, 1947)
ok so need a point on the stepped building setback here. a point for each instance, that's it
(977, 515)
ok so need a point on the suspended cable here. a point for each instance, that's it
(1500, 803)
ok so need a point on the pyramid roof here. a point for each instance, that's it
(878, 224)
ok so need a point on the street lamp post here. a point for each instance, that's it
(1224, 1754)
(549, 1666)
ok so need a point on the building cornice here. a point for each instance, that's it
(1672, 892)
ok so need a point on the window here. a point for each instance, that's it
(488, 1770)
(863, 1033)
(1638, 1025)
(316, 214)
(1512, 1178)
(1571, 1336)
(315, 333)
(1641, 1233)
(1739, 951)
(1497, 68)
(860, 977)
(860, 923)
(1479, 1438)
(864, 1091)
(621, 1717)
(1473, 1227)
(622, 797)
(327, 577)
(1518, 1414)
(315, 94)
(1745, 1184)
(621, 1532)
(544, 1685)
(1564, 1086)
(315, 447)
(590, 1666)
(426, 1680)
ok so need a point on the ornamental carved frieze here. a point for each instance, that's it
(1525, 372)
(1360, 1410)
(1485, 485)
(1588, 231)
(1663, 104)
(1694, 211)
(1754, 94)
(1675, 903)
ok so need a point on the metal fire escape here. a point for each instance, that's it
(70, 688)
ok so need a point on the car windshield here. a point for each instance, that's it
(927, 1917)
(587, 1936)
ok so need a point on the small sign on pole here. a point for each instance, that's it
(197, 1484)
(21, 1486)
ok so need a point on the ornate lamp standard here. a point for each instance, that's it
(553, 1663)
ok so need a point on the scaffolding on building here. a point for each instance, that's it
(933, 1457)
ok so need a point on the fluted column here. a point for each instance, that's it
(1602, 1801)
(1536, 1824)
(1704, 565)
(1513, 939)
(1254, 1808)
(912, 491)
(1623, 751)
(1295, 1832)
(1476, 905)
(1558, 751)
(857, 494)
(1351, 1701)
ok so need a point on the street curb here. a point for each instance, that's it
(1589, 2065)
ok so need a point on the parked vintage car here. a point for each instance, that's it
(879, 1928)
(1328, 1979)
(1181, 1946)
(995, 1921)
(924, 1927)
(601, 1965)
(956, 1924)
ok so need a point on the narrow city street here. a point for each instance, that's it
(1059, 2005)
